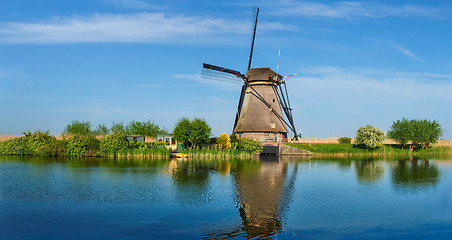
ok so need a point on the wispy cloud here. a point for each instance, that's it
(142, 27)
(405, 51)
(137, 27)
(369, 96)
(359, 9)
(134, 4)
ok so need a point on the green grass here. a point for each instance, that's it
(350, 149)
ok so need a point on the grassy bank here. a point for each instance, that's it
(337, 149)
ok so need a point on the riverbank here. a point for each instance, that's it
(346, 150)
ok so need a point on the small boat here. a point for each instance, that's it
(179, 155)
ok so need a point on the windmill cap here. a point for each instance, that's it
(262, 74)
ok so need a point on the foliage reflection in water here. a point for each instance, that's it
(369, 198)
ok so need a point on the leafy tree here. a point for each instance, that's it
(419, 132)
(369, 136)
(101, 129)
(425, 132)
(118, 128)
(144, 128)
(250, 145)
(401, 131)
(224, 142)
(77, 127)
(193, 132)
(200, 132)
(182, 130)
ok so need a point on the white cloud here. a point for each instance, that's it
(134, 4)
(141, 27)
(357, 9)
(333, 100)
(406, 51)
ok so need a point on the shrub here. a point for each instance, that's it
(81, 145)
(32, 143)
(344, 140)
(111, 144)
(250, 145)
(224, 142)
(369, 136)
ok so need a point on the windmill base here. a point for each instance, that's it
(281, 149)
(264, 136)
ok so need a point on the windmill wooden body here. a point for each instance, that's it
(264, 111)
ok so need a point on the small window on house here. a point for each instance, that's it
(272, 124)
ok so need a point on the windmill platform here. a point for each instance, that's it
(280, 149)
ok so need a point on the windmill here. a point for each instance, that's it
(263, 111)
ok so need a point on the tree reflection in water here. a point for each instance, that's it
(411, 175)
(369, 171)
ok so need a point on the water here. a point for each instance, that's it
(45, 198)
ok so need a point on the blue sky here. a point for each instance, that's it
(105, 61)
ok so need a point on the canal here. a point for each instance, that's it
(100, 198)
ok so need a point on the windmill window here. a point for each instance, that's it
(272, 124)
(273, 100)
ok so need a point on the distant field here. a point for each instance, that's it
(387, 141)
(4, 137)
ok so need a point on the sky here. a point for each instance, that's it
(104, 61)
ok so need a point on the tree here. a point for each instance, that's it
(193, 132)
(144, 128)
(77, 127)
(369, 136)
(101, 129)
(401, 131)
(200, 132)
(181, 131)
(425, 132)
(118, 128)
(234, 140)
(419, 132)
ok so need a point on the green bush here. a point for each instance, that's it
(250, 145)
(81, 145)
(344, 140)
(111, 144)
(76, 127)
(36, 143)
(369, 136)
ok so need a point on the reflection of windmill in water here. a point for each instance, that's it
(263, 198)
(264, 111)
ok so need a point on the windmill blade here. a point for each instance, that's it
(291, 75)
(239, 108)
(222, 74)
(254, 37)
